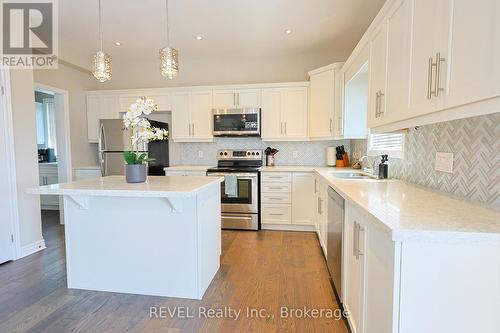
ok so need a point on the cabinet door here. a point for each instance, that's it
(93, 114)
(475, 52)
(224, 99)
(248, 98)
(430, 19)
(398, 61)
(354, 268)
(110, 107)
(125, 102)
(272, 103)
(294, 112)
(163, 102)
(200, 115)
(321, 110)
(181, 128)
(303, 199)
(378, 66)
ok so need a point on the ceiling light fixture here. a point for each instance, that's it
(118, 43)
(102, 61)
(169, 57)
(199, 37)
(288, 31)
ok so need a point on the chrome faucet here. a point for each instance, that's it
(373, 163)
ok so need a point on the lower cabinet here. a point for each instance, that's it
(47, 175)
(320, 189)
(287, 198)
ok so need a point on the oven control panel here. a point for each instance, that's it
(244, 154)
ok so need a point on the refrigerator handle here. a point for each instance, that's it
(102, 163)
(102, 137)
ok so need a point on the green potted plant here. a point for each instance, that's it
(136, 163)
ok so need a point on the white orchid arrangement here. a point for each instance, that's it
(142, 132)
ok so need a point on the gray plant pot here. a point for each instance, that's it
(136, 173)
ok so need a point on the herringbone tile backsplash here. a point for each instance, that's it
(475, 143)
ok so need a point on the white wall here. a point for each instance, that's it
(76, 83)
(24, 125)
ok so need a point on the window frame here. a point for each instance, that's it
(392, 153)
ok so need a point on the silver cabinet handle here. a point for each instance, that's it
(377, 95)
(193, 128)
(281, 128)
(234, 99)
(354, 239)
(274, 198)
(380, 110)
(285, 127)
(275, 188)
(238, 98)
(315, 185)
(331, 125)
(361, 236)
(189, 127)
(275, 177)
(429, 78)
(437, 83)
(275, 214)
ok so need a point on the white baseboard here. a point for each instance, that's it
(288, 227)
(26, 250)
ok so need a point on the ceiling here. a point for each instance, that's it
(232, 30)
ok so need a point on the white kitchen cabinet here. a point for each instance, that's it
(474, 52)
(377, 76)
(429, 39)
(284, 113)
(303, 201)
(191, 116)
(354, 262)
(320, 189)
(235, 98)
(162, 100)
(325, 112)
(100, 107)
(398, 61)
(47, 175)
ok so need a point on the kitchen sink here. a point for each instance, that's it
(351, 175)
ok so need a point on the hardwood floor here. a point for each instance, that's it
(259, 270)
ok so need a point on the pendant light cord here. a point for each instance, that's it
(100, 25)
(166, 14)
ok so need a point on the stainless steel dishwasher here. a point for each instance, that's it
(334, 239)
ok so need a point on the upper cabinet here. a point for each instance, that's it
(162, 100)
(325, 120)
(191, 116)
(284, 113)
(237, 98)
(433, 61)
(100, 107)
(474, 70)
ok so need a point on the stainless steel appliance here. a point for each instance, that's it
(236, 122)
(114, 139)
(240, 210)
(334, 239)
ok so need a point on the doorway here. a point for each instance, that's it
(54, 156)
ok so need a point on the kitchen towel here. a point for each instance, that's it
(231, 185)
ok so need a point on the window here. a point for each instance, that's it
(391, 144)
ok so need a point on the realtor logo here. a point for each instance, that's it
(29, 34)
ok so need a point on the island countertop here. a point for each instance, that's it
(116, 186)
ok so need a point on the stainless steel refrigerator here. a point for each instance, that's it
(114, 139)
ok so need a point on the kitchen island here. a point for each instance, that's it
(160, 238)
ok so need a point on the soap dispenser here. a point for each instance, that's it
(383, 168)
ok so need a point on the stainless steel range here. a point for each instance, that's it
(240, 189)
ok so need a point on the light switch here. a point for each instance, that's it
(444, 162)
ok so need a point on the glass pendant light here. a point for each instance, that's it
(102, 61)
(169, 58)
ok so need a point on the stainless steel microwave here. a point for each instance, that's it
(236, 122)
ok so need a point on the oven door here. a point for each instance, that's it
(236, 122)
(246, 199)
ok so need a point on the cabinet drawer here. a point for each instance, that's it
(278, 197)
(276, 177)
(277, 214)
(276, 187)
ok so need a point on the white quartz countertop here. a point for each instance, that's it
(156, 186)
(412, 212)
(189, 167)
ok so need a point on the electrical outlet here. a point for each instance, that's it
(200, 153)
(444, 162)
(295, 154)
